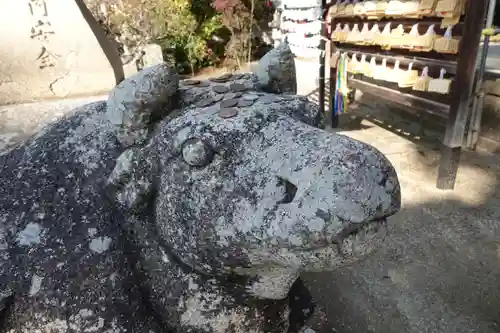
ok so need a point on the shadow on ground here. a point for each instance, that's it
(18, 122)
(439, 270)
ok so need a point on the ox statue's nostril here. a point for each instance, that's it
(290, 190)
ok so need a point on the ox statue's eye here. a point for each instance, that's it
(197, 153)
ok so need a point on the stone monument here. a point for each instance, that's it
(48, 50)
(185, 206)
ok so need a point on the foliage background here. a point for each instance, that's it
(192, 33)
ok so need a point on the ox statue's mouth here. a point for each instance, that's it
(361, 238)
(361, 230)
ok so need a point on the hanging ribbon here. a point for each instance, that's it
(341, 89)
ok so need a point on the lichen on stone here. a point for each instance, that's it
(185, 207)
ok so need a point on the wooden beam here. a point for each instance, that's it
(461, 93)
(403, 99)
(449, 66)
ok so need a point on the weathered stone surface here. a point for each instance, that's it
(202, 227)
(134, 105)
(218, 97)
(206, 102)
(276, 71)
(61, 252)
(197, 153)
(48, 50)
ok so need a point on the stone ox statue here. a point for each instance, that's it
(184, 207)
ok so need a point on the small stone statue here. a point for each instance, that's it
(184, 206)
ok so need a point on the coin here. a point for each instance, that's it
(204, 84)
(220, 89)
(244, 103)
(237, 87)
(250, 97)
(228, 112)
(191, 82)
(227, 103)
(232, 95)
(268, 99)
(223, 78)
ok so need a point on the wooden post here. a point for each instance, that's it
(479, 93)
(332, 118)
(322, 48)
(461, 93)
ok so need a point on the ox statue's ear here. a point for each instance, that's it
(276, 71)
(135, 105)
(131, 182)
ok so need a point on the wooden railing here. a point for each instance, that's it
(452, 107)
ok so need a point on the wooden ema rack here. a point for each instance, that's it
(452, 108)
